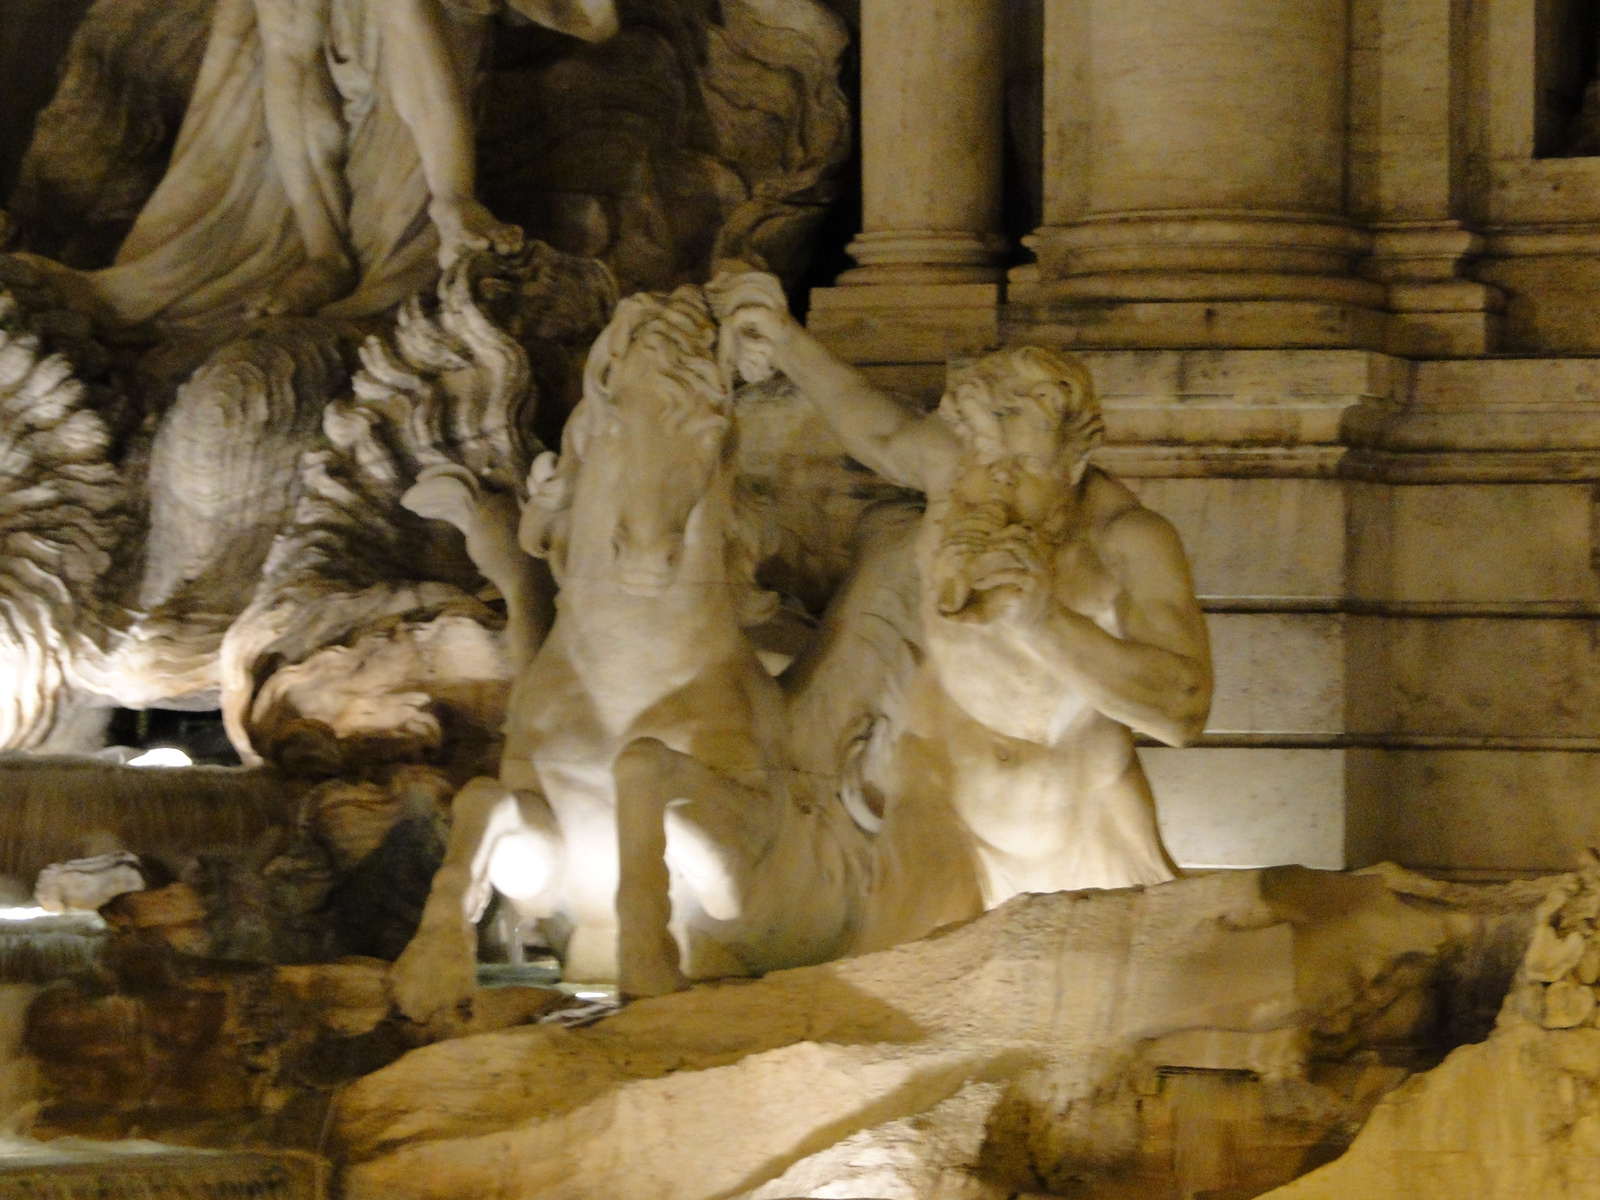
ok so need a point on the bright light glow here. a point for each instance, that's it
(162, 756)
(592, 995)
(22, 914)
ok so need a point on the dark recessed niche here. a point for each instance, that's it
(1566, 55)
(198, 734)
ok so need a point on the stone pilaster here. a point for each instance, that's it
(1408, 176)
(930, 251)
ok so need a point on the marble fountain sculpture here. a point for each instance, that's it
(213, 481)
(677, 812)
(797, 680)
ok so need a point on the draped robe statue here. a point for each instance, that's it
(324, 163)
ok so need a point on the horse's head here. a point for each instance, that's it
(661, 409)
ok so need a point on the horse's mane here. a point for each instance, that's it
(677, 333)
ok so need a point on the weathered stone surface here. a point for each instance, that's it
(696, 133)
(1078, 1005)
(175, 904)
(179, 1045)
(1515, 1116)
(86, 884)
(377, 906)
(353, 818)
(930, 1154)
(213, 1054)
(1512, 1118)
(139, 1168)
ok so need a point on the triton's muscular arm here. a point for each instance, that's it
(898, 441)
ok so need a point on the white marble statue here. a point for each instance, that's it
(325, 162)
(664, 803)
(1059, 619)
(677, 812)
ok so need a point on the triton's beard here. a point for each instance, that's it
(986, 536)
(983, 535)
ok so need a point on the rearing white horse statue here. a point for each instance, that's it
(684, 814)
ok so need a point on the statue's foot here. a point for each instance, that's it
(310, 287)
(466, 225)
(436, 975)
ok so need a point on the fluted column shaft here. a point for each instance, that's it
(931, 133)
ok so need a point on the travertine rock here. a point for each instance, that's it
(1515, 1116)
(352, 819)
(86, 884)
(1510, 1119)
(371, 617)
(376, 908)
(386, 647)
(187, 1046)
(1079, 1006)
(931, 1154)
(175, 904)
(62, 516)
(102, 144)
(238, 445)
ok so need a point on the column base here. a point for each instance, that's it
(916, 256)
(894, 323)
(1445, 334)
(1198, 280)
(1551, 278)
(1437, 313)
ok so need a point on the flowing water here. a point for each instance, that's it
(76, 1169)
(55, 809)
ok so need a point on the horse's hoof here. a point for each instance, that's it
(433, 983)
(643, 985)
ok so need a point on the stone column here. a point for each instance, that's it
(1195, 177)
(931, 129)
(930, 250)
(1408, 174)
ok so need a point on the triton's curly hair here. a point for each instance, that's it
(1072, 401)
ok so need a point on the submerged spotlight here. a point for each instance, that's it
(162, 756)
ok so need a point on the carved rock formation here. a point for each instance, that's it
(1517, 1115)
(269, 501)
(86, 884)
(1222, 1032)
(62, 517)
(370, 614)
(278, 576)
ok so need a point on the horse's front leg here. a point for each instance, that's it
(716, 836)
(491, 828)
